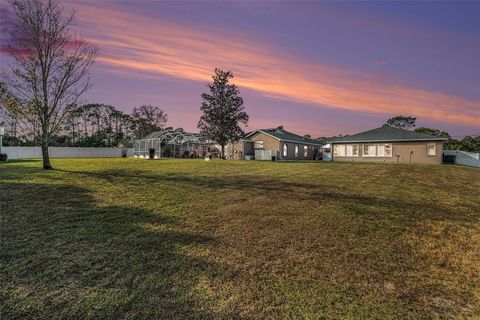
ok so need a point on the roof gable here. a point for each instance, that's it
(387, 133)
(284, 135)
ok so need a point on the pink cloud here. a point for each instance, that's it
(15, 41)
(155, 47)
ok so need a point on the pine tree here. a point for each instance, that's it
(223, 111)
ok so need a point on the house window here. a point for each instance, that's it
(352, 150)
(369, 150)
(380, 150)
(388, 150)
(296, 151)
(285, 150)
(258, 144)
(355, 149)
(305, 151)
(377, 150)
(384, 150)
(339, 150)
(432, 149)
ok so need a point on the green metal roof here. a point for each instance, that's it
(386, 133)
(284, 135)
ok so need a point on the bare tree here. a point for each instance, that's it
(147, 119)
(50, 69)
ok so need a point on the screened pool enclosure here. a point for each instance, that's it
(173, 144)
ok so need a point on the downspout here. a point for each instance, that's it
(243, 150)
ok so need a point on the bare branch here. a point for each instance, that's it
(51, 65)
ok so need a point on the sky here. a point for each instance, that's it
(318, 68)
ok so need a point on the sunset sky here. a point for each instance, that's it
(318, 68)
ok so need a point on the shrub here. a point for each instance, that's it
(3, 157)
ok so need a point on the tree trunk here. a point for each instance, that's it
(223, 152)
(46, 157)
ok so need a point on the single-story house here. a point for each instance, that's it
(388, 144)
(263, 144)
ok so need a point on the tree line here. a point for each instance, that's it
(88, 125)
(468, 143)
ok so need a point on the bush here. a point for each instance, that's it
(3, 157)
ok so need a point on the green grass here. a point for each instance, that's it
(128, 238)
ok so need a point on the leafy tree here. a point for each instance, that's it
(19, 130)
(146, 119)
(453, 144)
(433, 132)
(471, 144)
(402, 122)
(8, 120)
(50, 68)
(468, 143)
(223, 111)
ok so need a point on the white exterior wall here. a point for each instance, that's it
(265, 154)
(65, 152)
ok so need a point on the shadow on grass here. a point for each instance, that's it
(418, 211)
(67, 255)
(64, 256)
(20, 161)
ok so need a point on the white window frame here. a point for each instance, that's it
(285, 150)
(377, 148)
(384, 145)
(296, 150)
(434, 149)
(305, 151)
(380, 147)
(391, 150)
(349, 150)
(368, 155)
(357, 154)
(341, 148)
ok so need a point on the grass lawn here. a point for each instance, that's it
(128, 238)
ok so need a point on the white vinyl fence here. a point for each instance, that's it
(65, 152)
(464, 158)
